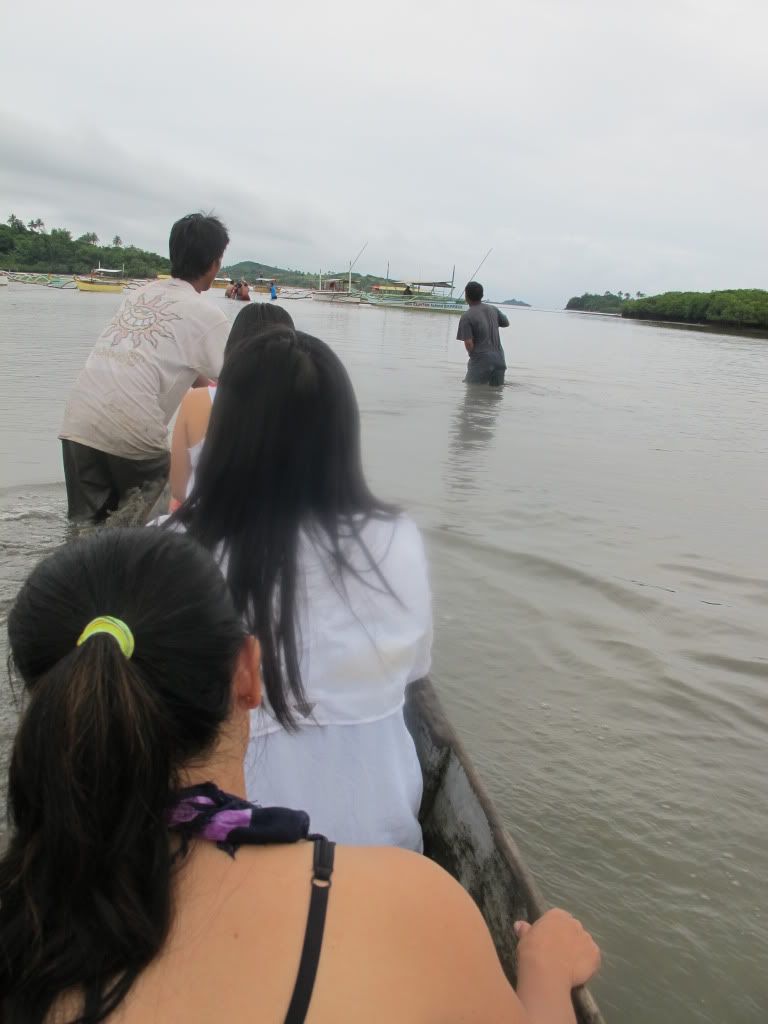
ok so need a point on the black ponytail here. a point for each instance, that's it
(85, 884)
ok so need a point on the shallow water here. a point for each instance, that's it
(596, 533)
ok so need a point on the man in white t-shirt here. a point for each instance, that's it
(163, 338)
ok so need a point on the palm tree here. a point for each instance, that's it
(36, 225)
(117, 241)
(16, 223)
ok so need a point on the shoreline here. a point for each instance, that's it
(708, 327)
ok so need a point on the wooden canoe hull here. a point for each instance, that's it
(464, 835)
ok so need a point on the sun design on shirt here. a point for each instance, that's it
(143, 321)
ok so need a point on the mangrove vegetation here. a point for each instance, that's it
(734, 307)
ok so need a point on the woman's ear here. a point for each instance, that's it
(247, 681)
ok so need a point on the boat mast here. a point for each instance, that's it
(349, 283)
(482, 261)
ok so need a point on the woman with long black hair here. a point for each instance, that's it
(332, 580)
(194, 413)
(139, 886)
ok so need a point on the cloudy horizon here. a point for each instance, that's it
(592, 146)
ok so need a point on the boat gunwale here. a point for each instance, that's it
(424, 709)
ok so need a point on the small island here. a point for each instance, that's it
(513, 302)
(608, 302)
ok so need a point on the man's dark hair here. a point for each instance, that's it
(195, 242)
(473, 292)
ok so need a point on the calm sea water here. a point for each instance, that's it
(597, 539)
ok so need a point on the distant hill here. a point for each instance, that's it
(250, 270)
(514, 302)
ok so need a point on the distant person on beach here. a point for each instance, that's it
(479, 330)
(273, 291)
(164, 338)
(137, 884)
(191, 424)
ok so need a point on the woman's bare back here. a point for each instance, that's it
(402, 943)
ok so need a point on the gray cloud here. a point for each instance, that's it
(594, 145)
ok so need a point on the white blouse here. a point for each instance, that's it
(352, 765)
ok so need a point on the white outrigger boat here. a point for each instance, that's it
(423, 296)
(333, 289)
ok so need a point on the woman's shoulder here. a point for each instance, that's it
(392, 535)
(420, 914)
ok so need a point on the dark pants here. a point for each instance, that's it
(485, 371)
(98, 482)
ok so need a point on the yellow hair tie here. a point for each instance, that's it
(116, 628)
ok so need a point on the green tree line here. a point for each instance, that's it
(734, 307)
(608, 302)
(29, 247)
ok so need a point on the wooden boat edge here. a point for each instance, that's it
(498, 879)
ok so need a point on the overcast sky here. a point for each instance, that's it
(594, 145)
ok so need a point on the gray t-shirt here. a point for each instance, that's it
(162, 337)
(481, 324)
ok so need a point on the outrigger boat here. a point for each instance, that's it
(333, 289)
(222, 282)
(101, 280)
(424, 296)
(47, 280)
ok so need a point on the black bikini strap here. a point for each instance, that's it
(322, 869)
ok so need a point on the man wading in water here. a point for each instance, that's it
(479, 330)
(164, 338)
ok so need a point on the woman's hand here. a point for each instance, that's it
(558, 946)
